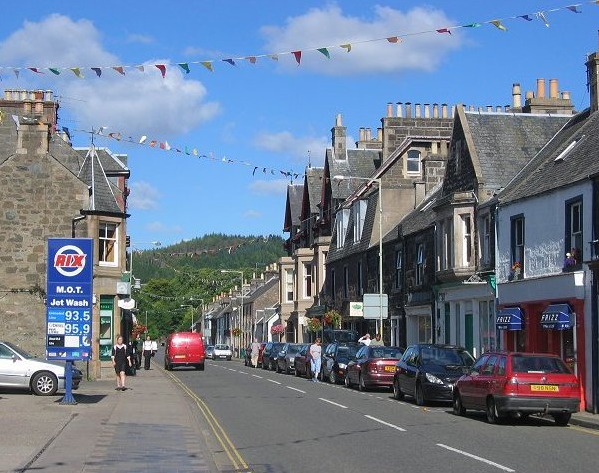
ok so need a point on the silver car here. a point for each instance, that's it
(18, 369)
(222, 352)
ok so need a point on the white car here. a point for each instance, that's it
(18, 369)
(222, 352)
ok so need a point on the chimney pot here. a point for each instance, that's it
(565, 95)
(452, 111)
(516, 95)
(427, 110)
(471, 108)
(529, 95)
(553, 89)
(338, 121)
(540, 88)
(506, 108)
(27, 106)
(362, 134)
(24, 95)
(7, 94)
(498, 109)
(408, 109)
(48, 96)
(379, 134)
(435, 110)
(399, 110)
(443, 110)
(389, 110)
(368, 134)
(480, 109)
(417, 112)
(489, 108)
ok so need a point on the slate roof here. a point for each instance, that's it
(543, 173)
(423, 216)
(505, 142)
(359, 163)
(261, 290)
(314, 178)
(111, 163)
(293, 206)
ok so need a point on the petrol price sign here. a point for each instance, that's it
(69, 300)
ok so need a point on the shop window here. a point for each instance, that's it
(424, 329)
(108, 244)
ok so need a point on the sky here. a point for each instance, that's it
(272, 114)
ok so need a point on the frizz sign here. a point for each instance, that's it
(69, 300)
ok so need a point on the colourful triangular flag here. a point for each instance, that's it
(252, 59)
(444, 30)
(525, 17)
(97, 70)
(167, 146)
(195, 152)
(541, 16)
(393, 39)
(152, 143)
(346, 46)
(186, 151)
(143, 139)
(498, 25)
(230, 61)
(140, 68)
(298, 56)
(324, 51)
(207, 65)
(573, 8)
(77, 72)
(54, 70)
(35, 69)
(162, 69)
(119, 69)
(184, 66)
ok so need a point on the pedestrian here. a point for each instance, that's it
(148, 352)
(137, 343)
(315, 359)
(377, 342)
(120, 360)
(365, 340)
(255, 352)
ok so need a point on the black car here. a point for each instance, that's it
(302, 362)
(286, 358)
(428, 372)
(335, 359)
(270, 354)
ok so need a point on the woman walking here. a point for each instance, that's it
(120, 360)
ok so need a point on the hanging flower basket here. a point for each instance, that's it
(314, 325)
(515, 271)
(332, 318)
(236, 332)
(277, 329)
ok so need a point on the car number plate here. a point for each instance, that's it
(544, 387)
(390, 368)
(179, 356)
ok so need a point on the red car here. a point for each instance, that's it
(373, 367)
(518, 384)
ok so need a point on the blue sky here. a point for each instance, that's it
(272, 113)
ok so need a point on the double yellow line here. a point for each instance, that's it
(236, 460)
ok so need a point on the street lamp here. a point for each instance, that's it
(241, 292)
(378, 180)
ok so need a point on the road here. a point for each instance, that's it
(284, 424)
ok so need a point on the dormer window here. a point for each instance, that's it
(359, 214)
(413, 161)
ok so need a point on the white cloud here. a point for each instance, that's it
(160, 227)
(140, 38)
(139, 103)
(252, 214)
(330, 26)
(285, 143)
(143, 196)
(275, 187)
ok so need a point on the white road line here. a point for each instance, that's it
(334, 403)
(256, 376)
(242, 372)
(230, 369)
(379, 397)
(273, 381)
(295, 389)
(385, 423)
(484, 460)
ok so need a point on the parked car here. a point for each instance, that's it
(428, 372)
(331, 335)
(209, 351)
(222, 352)
(302, 362)
(335, 359)
(184, 349)
(286, 358)
(269, 355)
(518, 384)
(19, 369)
(373, 367)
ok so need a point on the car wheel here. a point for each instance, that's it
(228, 358)
(333, 377)
(458, 407)
(200, 367)
(419, 395)
(347, 381)
(44, 384)
(493, 416)
(562, 418)
(361, 385)
(397, 393)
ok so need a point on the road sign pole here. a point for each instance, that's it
(68, 398)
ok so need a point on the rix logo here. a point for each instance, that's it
(69, 260)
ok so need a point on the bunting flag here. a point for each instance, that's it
(143, 139)
(297, 53)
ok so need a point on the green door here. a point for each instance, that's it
(469, 334)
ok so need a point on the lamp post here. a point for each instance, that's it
(240, 292)
(378, 180)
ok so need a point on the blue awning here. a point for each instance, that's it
(510, 318)
(557, 317)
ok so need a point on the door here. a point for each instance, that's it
(468, 332)
(411, 371)
(12, 368)
(402, 367)
(467, 388)
(483, 382)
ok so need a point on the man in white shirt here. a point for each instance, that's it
(148, 348)
(365, 340)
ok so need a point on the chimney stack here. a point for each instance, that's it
(443, 110)
(489, 108)
(435, 110)
(389, 110)
(540, 88)
(379, 134)
(399, 110)
(553, 89)
(368, 134)
(339, 138)
(417, 111)
(565, 95)
(362, 134)
(529, 95)
(427, 111)
(516, 96)
(592, 74)
(408, 109)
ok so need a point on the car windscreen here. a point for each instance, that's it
(221, 347)
(345, 353)
(386, 352)
(538, 364)
(18, 350)
(446, 356)
(292, 349)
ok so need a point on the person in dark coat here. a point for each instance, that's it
(120, 360)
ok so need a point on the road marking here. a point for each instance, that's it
(230, 369)
(273, 381)
(385, 423)
(256, 376)
(583, 429)
(379, 397)
(470, 455)
(334, 403)
(295, 389)
(242, 372)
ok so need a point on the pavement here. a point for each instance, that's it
(153, 426)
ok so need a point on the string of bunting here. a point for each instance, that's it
(325, 51)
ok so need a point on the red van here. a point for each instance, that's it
(184, 349)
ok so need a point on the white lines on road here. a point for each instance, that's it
(256, 376)
(242, 372)
(273, 381)
(385, 423)
(295, 389)
(231, 369)
(334, 403)
(470, 455)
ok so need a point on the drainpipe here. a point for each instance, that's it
(74, 223)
